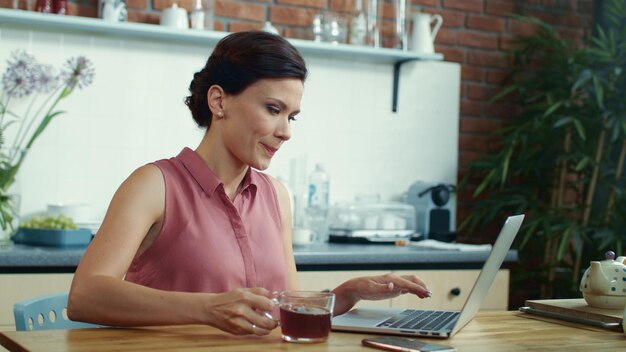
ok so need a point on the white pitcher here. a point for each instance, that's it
(112, 10)
(425, 28)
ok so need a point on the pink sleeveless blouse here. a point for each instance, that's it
(208, 243)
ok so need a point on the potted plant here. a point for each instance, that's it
(27, 80)
(561, 159)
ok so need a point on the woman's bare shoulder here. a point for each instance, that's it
(144, 189)
(281, 189)
(145, 177)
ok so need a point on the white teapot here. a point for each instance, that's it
(113, 10)
(604, 283)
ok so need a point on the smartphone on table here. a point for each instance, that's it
(403, 344)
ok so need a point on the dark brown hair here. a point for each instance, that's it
(239, 60)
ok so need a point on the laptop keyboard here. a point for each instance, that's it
(420, 320)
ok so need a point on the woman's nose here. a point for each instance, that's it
(283, 130)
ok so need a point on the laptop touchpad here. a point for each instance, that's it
(362, 316)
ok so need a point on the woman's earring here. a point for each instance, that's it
(220, 113)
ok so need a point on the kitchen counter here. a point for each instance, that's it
(33, 271)
(328, 256)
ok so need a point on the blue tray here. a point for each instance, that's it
(52, 238)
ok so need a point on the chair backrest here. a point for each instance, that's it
(45, 313)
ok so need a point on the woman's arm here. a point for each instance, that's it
(100, 295)
(284, 202)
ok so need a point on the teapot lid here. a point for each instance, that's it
(610, 260)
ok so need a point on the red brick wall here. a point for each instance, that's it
(475, 33)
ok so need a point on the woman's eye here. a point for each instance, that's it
(274, 110)
(292, 118)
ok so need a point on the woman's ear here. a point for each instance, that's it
(215, 96)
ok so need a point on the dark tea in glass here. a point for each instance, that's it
(301, 322)
(305, 315)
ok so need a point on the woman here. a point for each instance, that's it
(203, 237)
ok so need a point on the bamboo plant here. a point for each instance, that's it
(560, 159)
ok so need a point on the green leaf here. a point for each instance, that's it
(506, 163)
(562, 121)
(484, 183)
(599, 92)
(506, 91)
(563, 243)
(42, 126)
(553, 108)
(615, 133)
(584, 77)
(580, 129)
(528, 234)
(582, 164)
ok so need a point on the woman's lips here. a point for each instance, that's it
(271, 151)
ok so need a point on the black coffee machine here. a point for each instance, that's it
(434, 205)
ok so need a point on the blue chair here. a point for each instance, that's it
(45, 312)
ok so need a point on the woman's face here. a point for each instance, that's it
(256, 121)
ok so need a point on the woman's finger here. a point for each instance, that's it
(260, 299)
(256, 330)
(262, 321)
(412, 284)
(414, 279)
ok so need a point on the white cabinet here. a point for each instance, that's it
(450, 288)
(328, 280)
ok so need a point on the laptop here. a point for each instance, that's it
(433, 323)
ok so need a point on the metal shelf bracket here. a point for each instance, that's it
(396, 82)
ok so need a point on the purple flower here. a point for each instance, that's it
(46, 78)
(78, 71)
(20, 59)
(25, 76)
(19, 78)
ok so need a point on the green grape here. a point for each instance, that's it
(58, 222)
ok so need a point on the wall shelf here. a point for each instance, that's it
(129, 30)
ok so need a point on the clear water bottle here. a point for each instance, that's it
(317, 212)
(209, 13)
(358, 25)
(316, 27)
(197, 16)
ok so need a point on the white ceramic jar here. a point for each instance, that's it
(175, 17)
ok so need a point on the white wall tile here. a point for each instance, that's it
(133, 113)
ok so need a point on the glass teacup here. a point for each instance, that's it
(305, 316)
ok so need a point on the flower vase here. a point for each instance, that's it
(10, 194)
(9, 214)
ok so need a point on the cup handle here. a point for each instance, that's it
(269, 315)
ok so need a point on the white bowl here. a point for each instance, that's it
(79, 212)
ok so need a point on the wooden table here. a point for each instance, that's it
(489, 331)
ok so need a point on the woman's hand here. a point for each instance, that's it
(377, 288)
(241, 311)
